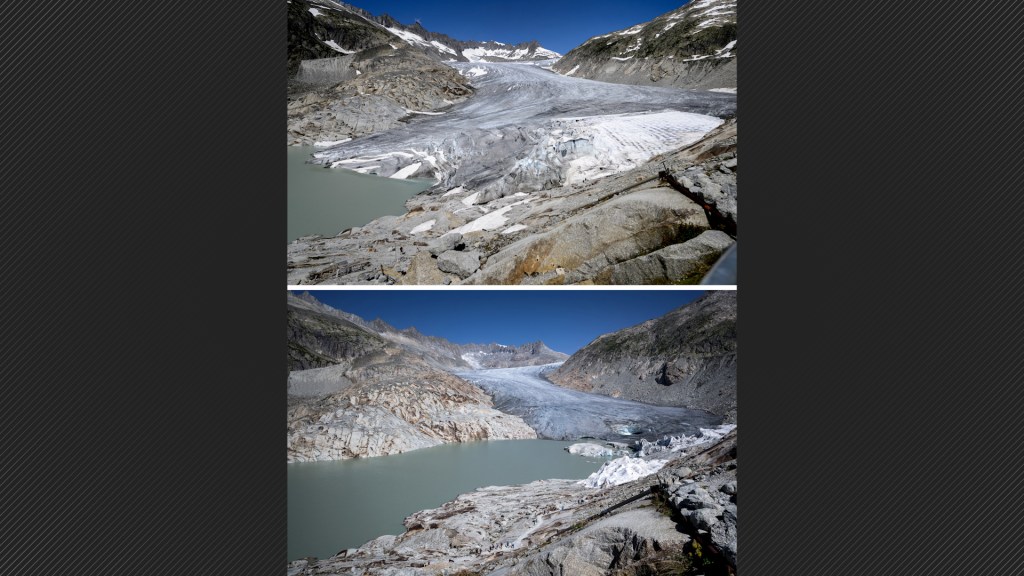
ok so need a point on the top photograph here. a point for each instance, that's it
(546, 143)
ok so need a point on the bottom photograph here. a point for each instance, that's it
(505, 432)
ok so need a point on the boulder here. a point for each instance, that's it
(423, 270)
(460, 263)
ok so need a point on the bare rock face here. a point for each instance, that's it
(390, 410)
(685, 358)
(362, 389)
(555, 527)
(691, 47)
(588, 244)
(676, 264)
(461, 264)
(570, 234)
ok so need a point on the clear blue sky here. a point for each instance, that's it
(565, 320)
(557, 25)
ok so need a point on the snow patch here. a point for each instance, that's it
(423, 227)
(453, 191)
(490, 221)
(473, 363)
(726, 90)
(338, 48)
(468, 200)
(631, 31)
(514, 229)
(314, 12)
(622, 470)
(474, 72)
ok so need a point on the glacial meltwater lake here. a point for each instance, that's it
(343, 504)
(327, 201)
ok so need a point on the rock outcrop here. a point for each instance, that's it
(363, 389)
(682, 517)
(691, 47)
(609, 230)
(392, 408)
(684, 358)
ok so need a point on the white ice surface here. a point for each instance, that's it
(624, 141)
(407, 171)
(726, 90)
(591, 450)
(455, 190)
(314, 12)
(325, 143)
(514, 229)
(622, 470)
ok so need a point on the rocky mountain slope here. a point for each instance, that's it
(352, 74)
(681, 520)
(362, 389)
(684, 358)
(319, 335)
(693, 46)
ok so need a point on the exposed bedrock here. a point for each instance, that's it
(560, 527)
(575, 233)
(684, 358)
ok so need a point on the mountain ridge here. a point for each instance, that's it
(686, 357)
(693, 46)
(436, 350)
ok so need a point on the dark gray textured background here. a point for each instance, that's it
(143, 298)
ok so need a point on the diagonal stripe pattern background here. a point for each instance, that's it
(143, 207)
(885, 189)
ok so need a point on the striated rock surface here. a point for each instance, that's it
(684, 358)
(363, 389)
(390, 409)
(574, 233)
(691, 47)
(651, 525)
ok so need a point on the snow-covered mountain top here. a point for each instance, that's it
(511, 54)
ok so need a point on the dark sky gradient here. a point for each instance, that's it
(558, 26)
(564, 320)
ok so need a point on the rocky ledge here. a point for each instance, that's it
(682, 516)
(390, 408)
(665, 221)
